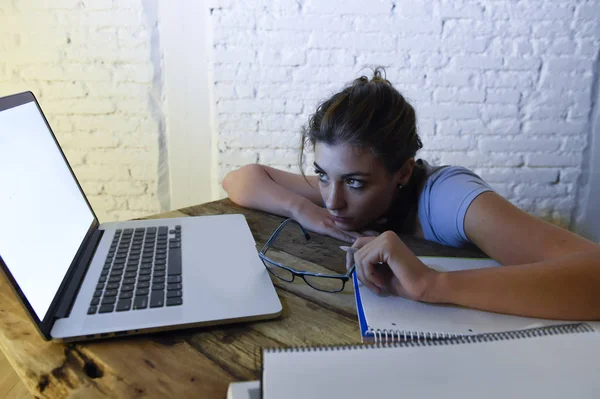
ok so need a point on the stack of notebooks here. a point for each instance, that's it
(422, 350)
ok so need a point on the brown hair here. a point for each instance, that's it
(372, 114)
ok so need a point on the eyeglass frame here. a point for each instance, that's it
(262, 255)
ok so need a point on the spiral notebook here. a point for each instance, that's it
(552, 362)
(391, 318)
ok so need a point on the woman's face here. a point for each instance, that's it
(356, 188)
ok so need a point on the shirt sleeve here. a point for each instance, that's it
(444, 201)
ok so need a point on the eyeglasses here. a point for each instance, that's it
(319, 281)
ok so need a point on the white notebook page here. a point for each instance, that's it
(395, 313)
(559, 366)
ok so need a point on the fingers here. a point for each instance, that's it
(370, 233)
(364, 278)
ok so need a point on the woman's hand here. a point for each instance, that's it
(317, 219)
(386, 265)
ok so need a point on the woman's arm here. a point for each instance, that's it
(550, 272)
(286, 194)
(271, 190)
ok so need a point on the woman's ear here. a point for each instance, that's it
(402, 176)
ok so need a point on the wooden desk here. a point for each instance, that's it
(198, 362)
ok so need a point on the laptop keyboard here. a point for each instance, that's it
(142, 270)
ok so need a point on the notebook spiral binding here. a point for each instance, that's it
(422, 339)
(395, 336)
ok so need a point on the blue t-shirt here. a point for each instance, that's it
(443, 203)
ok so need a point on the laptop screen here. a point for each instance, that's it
(44, 217)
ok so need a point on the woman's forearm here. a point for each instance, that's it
(564, 288)
(251, 187)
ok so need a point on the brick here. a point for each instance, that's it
(502, 96)
(442, 111)
(92, 188)
(242, 20)
(541, 190)
(224, 90)
(500, 160)
(426, 42)
(446, 143)
(113, 123)
(545, 112)
(569, 175)
(139, 106)
(586, 28)
(464, 44)
(561, 46)
(569, 160)
(493, 111)
(414, 9)
(427, 60)
(121, 156)
(102, 173)
(80, 107)
(508, 28)
(568, 64)
(62, 90)
(466, 28)
(460, 127)
(234, 55)
(453, 10)
(68, 72)
(385, 59)
(328, 57)
(443, 78)
(505, 127)
(350, 7)
(143, 172)
(88, 141)
(508, 79)
(518, 145)
(564, 81)
(118, 89)
(522, 64)
(525, 175)
(124, 188)
(148, 203)
(97, 4)
(554, 127)
(588, 12)
(238, 157)
(459, 159)
(293, 107)
(358, 41)
(586, 47)
(279, 156)
(462, 95)
(248, 123)
(282, 57)
(478, 62)
(550, 29)
(133, 73)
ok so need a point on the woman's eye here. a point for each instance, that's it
(354, 183)
(321, 175)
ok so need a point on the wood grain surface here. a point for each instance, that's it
(198, 362)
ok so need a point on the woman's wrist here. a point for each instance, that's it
(435, 287)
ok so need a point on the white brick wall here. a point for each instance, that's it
(500, 86)
(89, 64)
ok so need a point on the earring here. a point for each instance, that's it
(399, 186)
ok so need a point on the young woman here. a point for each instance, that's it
(368, 182)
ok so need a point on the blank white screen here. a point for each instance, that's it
(43, 215)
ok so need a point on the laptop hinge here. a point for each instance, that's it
(72, 288)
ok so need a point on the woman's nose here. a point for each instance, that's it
(335, 200)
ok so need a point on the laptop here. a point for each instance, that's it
(79, 279)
